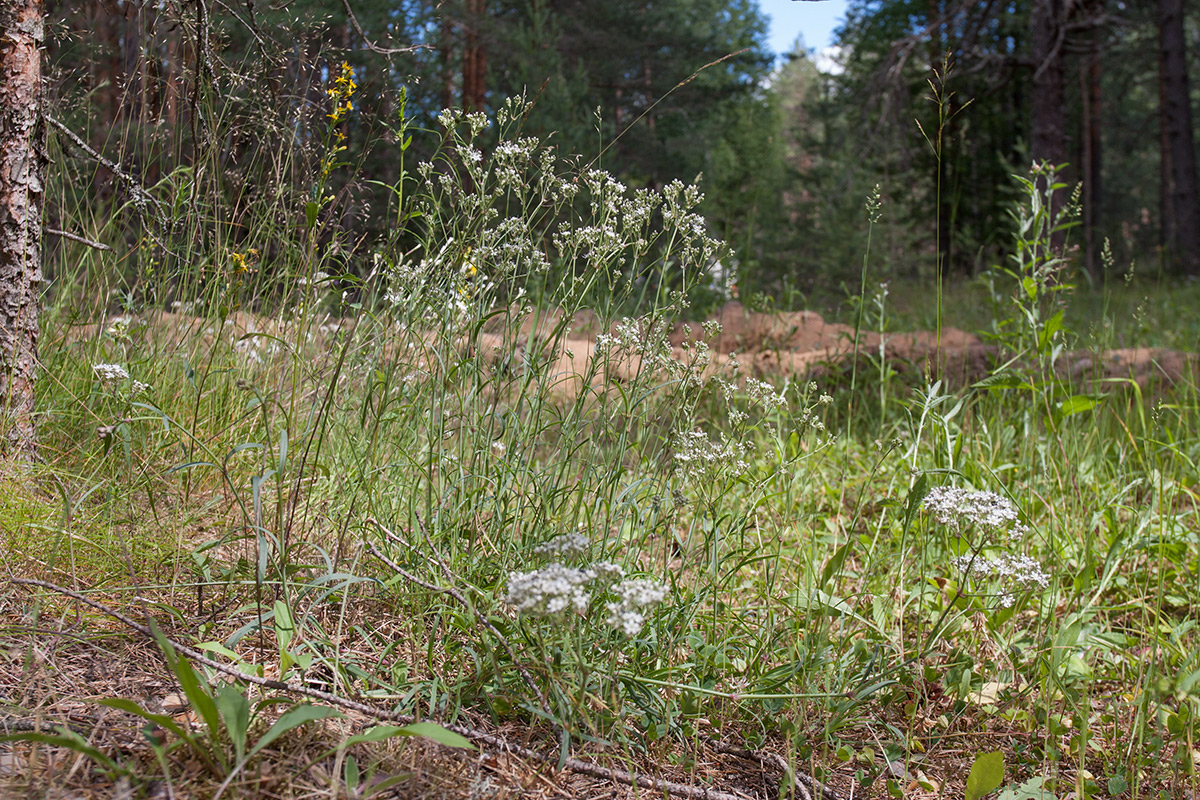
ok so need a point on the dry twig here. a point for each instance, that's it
(498, 743)
(450, 590)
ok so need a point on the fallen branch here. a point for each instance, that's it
(74, 237)
(141, 198)
(634, 779)
(450, 590)
(805, 785)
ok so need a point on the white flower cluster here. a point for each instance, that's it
(622, 219)
(511, 159)
(550, 590)
(764, 393)
(509, 247)
(634, 598)
(568, 546)
(406, 279)
(119, 327)
(1012, 567)
(110, 373)
(450, 117)
(696, 455)
(652, 344)
(556, 588)
(114, 374)
(958, 508)
(696, 246)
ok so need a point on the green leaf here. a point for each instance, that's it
(1052, 326)
(162, 720)
(311, 209)
(199, 694)
(987, 773)
(292, 719)
(219, 649)
(283, 450)
(431, 730)
(1004, 379)
(1032, 789)
(1076, 405)
(428, 730)
(284, 627)
(72, 741)
(235, 711)
(834, 564)
(916, 496)
(379, 787)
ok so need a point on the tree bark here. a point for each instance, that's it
(1093, 161)
(474, 59)
(1048, 123)
(1179, 152)
(22, 177)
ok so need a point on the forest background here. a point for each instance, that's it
(938, 102)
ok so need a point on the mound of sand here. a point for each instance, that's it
(799, 344)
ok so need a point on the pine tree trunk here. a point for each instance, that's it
(1183, 242)
(1048, 124)
(22, 175)
(1093, 159)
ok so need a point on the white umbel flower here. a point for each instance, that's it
(110, 373)
(635, 597)
(958, 508)
(568, 546)
(550, 590)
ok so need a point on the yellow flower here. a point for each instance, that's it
(341, 92)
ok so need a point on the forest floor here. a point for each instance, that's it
(61, 657)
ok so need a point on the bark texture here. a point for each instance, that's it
(22, 178)
(1048, 126)
(1093, 153)
(1183, 232)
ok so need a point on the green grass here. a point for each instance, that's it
(811, 604)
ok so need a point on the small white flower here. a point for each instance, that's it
(110, 373)
(567, 546)
(696, 455)
(550, 590)
(958, 508)
(634, 597)
(119, 327)
(1015, 568)
(608, 572)
(499, 449)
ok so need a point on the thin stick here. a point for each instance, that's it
(635, 779)
(804, 783)
(374, 48)
(450, 590)
(140, 195)
(74, 237)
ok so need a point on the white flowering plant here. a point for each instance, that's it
(986, 527)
